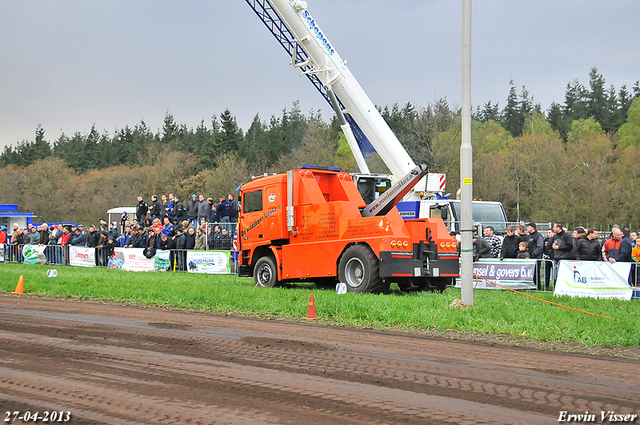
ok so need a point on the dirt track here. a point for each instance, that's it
(130, 365)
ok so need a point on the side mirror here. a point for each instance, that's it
(477, 230)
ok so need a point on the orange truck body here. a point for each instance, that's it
(325, 222)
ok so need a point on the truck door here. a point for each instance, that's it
(274, 212)
(251, 219)
(262, 215)
(444, 212)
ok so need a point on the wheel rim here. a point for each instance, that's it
(354, 272)
(264, 274)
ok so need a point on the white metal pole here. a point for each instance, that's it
(466, 164)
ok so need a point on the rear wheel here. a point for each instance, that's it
(359, 269)
(265, 272)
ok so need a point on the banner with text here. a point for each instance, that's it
(133, 259)
(82, 256)
(211, 262)
(594, 279)
(514, 274)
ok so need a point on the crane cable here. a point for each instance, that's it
(549, 302)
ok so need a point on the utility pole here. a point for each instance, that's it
(466, 164)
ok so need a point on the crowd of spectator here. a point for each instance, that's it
(526, 242)
(166, 224)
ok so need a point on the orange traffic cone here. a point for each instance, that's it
(311, 311)
(19, 286)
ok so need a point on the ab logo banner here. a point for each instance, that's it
(595, 279)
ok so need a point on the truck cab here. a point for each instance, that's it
(312, 224)
(487, 213)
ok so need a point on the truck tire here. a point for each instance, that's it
(265, 272)
(359, 269)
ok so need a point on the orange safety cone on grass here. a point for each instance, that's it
(19, 286)
(311, 310)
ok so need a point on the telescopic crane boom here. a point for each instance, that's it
(311, 51)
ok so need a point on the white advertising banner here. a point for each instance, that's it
(211, 262)
(133, 259)
(594, 279)
(513, 274)
(82, 256)
(2, 252)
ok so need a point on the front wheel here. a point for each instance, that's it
(265, 272)
(359, 269)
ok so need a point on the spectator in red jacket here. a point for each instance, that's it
(64, 239)
(612, 246)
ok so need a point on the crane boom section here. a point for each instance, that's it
(317, 56)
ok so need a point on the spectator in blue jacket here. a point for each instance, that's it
(78, 239)
(224, 210)
(168, 228)
(125, 237)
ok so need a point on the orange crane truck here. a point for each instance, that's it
(312, 224)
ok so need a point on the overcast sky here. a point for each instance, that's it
(70, 64)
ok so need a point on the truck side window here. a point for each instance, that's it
(252, 201)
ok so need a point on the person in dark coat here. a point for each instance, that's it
(190, 238)
(226, 239)
(536, 251)
(626, 246)
(510, 244)
(535, 242)
(214, 216)
(192, 209)
(179, 211)
(181, 245)
(562, 244)
(589, 248)
(523, 250)
(139, 238)
(204, 209)
(44, 234)
(154, 239)
(156, 210)
(166, 242)
(93, 237)
(106, 250)
(481, 249)
(141, 209)
(224, 210)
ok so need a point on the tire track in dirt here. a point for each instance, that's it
(159, 368)
(235, 369)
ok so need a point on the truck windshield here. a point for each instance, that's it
(487, 213)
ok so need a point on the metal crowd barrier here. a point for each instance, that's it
(59, 256)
